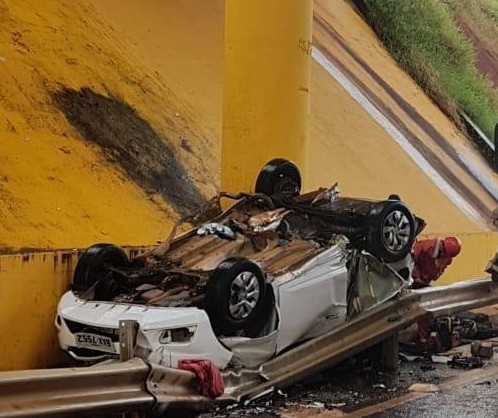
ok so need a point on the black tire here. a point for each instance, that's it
(221, 296)
(280, 179)
(379, 242)
(93, 265)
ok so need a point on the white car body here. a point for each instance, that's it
(303, 298)
(246, 284)
(309, 301)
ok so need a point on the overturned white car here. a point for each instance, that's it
(275, 269)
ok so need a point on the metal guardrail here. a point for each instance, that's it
(116, 387)
(362, 332)
(476, 132)
(458, 297)
(68, 392)
(486, 145)
(351, 338)
(135, 385)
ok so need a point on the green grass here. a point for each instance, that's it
(424, 38)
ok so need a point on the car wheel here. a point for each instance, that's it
(280, 179)
(391, 231)
(93, 266)
(236, 300)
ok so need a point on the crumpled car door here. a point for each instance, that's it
(370, 283)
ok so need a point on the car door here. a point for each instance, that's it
(306, 295)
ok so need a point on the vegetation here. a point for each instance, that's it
(424, 38)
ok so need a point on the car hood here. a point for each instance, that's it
(108, 314)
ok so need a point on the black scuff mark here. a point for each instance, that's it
(129, 141)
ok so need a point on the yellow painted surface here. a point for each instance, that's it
(477, 250)
(180, 42)
(347, 146)
(266, 87)
(30, 287)
(57, 190)
(371, 160)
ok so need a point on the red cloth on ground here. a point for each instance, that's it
(207, 374)
(432, 256)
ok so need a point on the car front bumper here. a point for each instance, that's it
(154, 342)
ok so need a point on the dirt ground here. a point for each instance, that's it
(487, 55)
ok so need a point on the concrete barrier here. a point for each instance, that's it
(30, 287)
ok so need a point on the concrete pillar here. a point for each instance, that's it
(266, 87)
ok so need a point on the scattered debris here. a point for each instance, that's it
(425, 366)
(482, 349)
(486, 382)
(466, 363)
(440, 359)
(444, 334)
(408, 357)
(317, 405)
(424, 388)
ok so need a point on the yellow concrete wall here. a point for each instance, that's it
(30, 287)
(58, 190)
(179, 42)
(266, 90)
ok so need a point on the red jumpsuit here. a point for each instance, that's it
(429, 264)
(431, 257)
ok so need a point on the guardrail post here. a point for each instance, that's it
(390, 347)
(127, 337)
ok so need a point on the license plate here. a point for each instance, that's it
(95, 342)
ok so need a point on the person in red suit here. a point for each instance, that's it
(431, 258)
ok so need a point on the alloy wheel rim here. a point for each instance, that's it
(244, 295)
(396, 230)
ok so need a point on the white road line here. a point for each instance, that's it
(480, 170)
(446, 188)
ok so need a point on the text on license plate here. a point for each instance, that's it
(99, 342)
